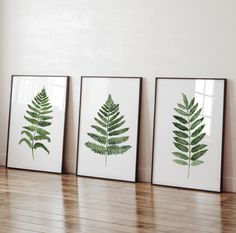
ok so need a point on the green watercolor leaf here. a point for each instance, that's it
(189, 134)
(108, 139)
(37, 116)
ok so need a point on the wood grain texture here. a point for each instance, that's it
(41, 202)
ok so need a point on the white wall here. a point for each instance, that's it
(184, 38)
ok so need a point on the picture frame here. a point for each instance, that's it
(188, 133)
(108, 132)
(37, 121)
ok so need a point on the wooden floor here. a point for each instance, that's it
(40, 202)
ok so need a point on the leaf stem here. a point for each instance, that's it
(107, 136)
(33, 153)
(189, 147)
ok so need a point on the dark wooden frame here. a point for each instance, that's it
(223, 130)
(65, 120)
(138, 126)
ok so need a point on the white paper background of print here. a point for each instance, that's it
(24, 89)
(95, 92)
(166, 172)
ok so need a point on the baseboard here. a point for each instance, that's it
(229, 184)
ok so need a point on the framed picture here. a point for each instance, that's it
(37, 122)
(109, 127)
(188, 133)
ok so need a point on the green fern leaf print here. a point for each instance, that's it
(188, 134)
(108, 136)
(38, 117)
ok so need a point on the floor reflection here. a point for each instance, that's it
(41, 202)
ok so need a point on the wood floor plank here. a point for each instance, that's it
(42, 202)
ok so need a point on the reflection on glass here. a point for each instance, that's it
(55, 86)
(204, 94)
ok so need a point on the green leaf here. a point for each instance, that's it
(46, 112)
(44, 118)
(198, 131)
(118, 132)
(33, 114)
(115, 116)
(37, 101)
(179, 126)
(33, 109)
(115, 121)
(114, 107)
(103, 113)
(193, 109)
(180, 155)
(181, 106)
(115, 150)
(40, 145)
(196, 123)
(98, 138)
(105, 109)
(180, 134)
(191, 103)
(180, 162)
(198, 147)
(181, 141)
(197, 162)
(196, 115)
(100, 122)
(98, 149)
(31, 120)
(44, 123)
(99, 129)
(104, 119)
(45, 104)
(40, 137)
(109, 124)
(30, 128)
(35, 104)
(114, 111)
(46, 108)
(198, 139)
(37, 116)
(27, 141)
(115, 126)
(189, 134)
(117, 140)
(28, 134)
(181, 147)
(42, 132)
(181, 112)
(197, 155)
(181, 119)
(185, 100)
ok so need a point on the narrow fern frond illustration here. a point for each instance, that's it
(189, 134)
(108, 136)
(37, 115)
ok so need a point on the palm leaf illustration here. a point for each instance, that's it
(37, 116)
(108, 137)
(188, 134)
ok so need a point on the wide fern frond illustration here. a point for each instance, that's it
(108, 134)
(38, 116)
(188, 134)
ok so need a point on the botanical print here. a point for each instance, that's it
(108, 139)
(37, 115)
(188, 134)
